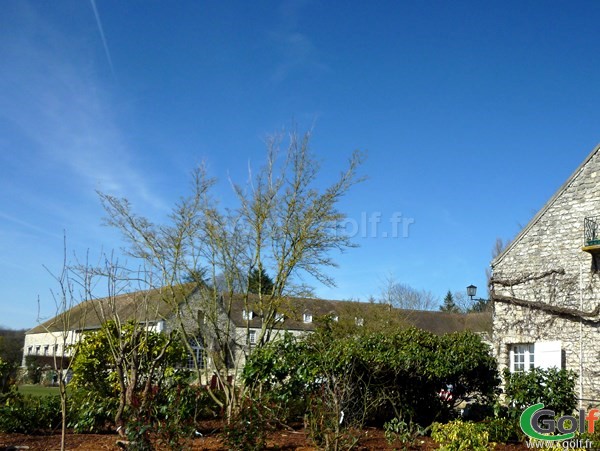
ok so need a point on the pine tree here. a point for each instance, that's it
(449, 304)
(259, 281)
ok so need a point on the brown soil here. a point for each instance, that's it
(372, 439)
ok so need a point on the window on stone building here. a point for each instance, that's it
(29, 350)
(199, 354)
(252, 337)
(541, 354)
(522, 357)
(307, 318)
(46, 349)
(37, 350)
(247, 314)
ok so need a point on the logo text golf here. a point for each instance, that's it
(537, 422)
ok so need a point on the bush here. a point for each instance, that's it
(8, 373)
(247, 427)
(399, 431)
(477, 412)
(34, 370)
(501, 430)
(460, 436)
(30, 414)
(91, 412)
(327, 426)
(384, 373)
(554, 388)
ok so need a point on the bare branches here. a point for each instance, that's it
(564, 312)
(285, 225)
(527, 278)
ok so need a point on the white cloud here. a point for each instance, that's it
(50, 91)
(297, 51)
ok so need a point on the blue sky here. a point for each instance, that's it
(472, 113)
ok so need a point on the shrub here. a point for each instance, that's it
(91, 412)
(399, 431)
(554, 388)
(327, 425)
(501, 430)
(34, 370)
(247, 427)
(460, 436)
(477, 412)
(29, 414)
(8, 375)
(400, 372)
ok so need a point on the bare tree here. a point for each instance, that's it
(403, 296)
(284, 225)
(60, 329)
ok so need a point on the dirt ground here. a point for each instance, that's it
(372, 439)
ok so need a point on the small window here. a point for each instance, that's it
(46, 349)
(279, 317)
(247, 315)
(56, 349)
(37, 350)
(359, 321)
(522, 357)
(252, 337)
(335, 318)
(307, 318)
(30, 350)
(199, 354)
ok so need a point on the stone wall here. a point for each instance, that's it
(546, 267)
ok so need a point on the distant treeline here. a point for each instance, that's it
(11, 345)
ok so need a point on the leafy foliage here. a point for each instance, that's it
(33, 368)
(247, 428)
(131, 373)
(94, 363)
(260, 282)
(386, 375)
(91, 411)
(11, 346)
(29, 414)
(7, 375)
(553, 387)
(501, 430)
(399, 431)
(460, 436)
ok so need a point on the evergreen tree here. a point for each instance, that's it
(449, 304)
(480, 305)
(259, 281)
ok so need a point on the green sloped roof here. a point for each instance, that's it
(146, 305)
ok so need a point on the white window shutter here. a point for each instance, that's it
(547, 354)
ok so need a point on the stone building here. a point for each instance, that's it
(546, 286)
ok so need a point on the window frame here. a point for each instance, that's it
(251, 338)
(521, 357)
(199, 352)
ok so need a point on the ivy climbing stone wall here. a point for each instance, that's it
(545, 288)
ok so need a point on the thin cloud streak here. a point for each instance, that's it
(61, 108)
(101, 30)
(26, 225)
